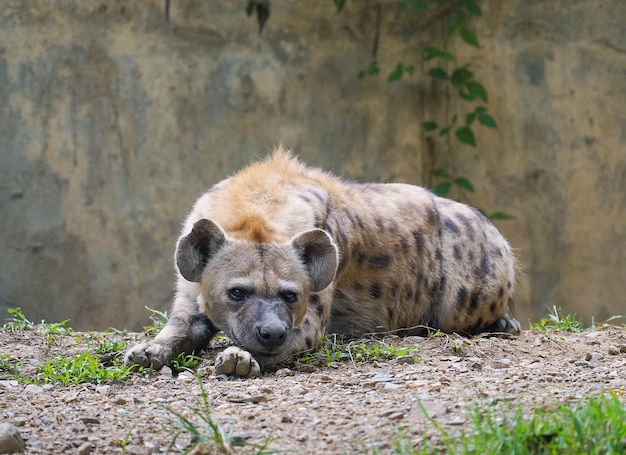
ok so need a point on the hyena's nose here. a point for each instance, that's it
(271, 335)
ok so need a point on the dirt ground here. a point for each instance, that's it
(347, 407)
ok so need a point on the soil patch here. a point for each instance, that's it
(348, 407)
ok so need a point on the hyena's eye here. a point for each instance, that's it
(289, 297)
(237, 294)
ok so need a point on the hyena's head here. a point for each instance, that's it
(256, 293)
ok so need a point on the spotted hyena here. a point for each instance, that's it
(281, 253)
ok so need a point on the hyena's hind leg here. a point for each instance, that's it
(187, 330)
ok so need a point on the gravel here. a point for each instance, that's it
(348, 407)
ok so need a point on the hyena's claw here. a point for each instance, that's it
(234, 361)
(148, 355)
(506, 325)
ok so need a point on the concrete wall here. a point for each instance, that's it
(112, 121)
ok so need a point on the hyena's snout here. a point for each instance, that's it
(271, 325)
(271, 334)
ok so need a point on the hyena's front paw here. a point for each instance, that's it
(237, 362)
(148, 354)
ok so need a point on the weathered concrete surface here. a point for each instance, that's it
(112, 121)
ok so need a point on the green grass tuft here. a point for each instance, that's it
(82, 368)
(207, 432)
(594, 426)
(558, 322)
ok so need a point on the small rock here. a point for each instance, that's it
(186, 376)
(8, 384)
(10, 439)
(283, 372)
(19, 421)
(386, 386)
(103, 389)
(84, 449)
(406, 360)
(425, 397)
(90, 420)
(432, 408)
(457, 421)
(286, 418)
(135, 449)
(304, 367)
(121, 400)
(391, 411)
(165, 371)
(32, 388)
(396, 416)
(47, 387)
(321, 378)
(613, 350)
(236, 398)
(502, 363)
(622, 348)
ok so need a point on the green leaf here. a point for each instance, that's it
(487, 120)
(438, 73)
(481, 109)
(457, 24)
(501, 216)
(464, 183)
(396, 74)
(465, 135)
(469, 37)
(469, 119)
(442, 173)
(409, 69)
(446, 56)
(373, 68)
(445, 131)
(473, 8)
(461, 76)
(340, 4)
(418, 5)
(477, 90)
(430, 52)
(430, 126)
(442, 189)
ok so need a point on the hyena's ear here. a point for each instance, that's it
(196, 248)
(320, 255)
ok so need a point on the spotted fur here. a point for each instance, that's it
(280, 253)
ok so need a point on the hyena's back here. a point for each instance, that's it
(409, 258)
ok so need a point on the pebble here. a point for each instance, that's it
(502, 363)
(33, 389)
(283, 372)
(186, 376)
(614, 350)
(10, 439)
(84, 449)
(386, 386)
(457, 421)
(104, 389)
(406, 360)
(165, 371)
(8, 384)
(19, 421)
(90, 420)
(391, 411)
(236, 398)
